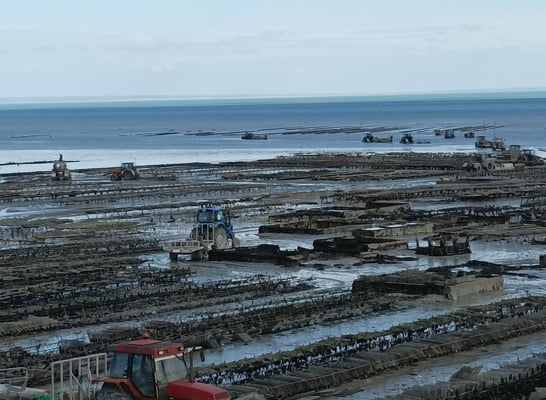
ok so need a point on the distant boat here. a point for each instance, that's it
(406, 139)
(446, 133)
(369, 138)
(254, 136)
(450, 134)
(495, 144)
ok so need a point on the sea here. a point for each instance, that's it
(151, 131)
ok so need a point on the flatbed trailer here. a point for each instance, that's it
(196, 249)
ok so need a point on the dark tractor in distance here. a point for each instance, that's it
(127, 171)
(406, 139)
(60, 170)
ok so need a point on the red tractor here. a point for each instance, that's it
(60, 170)
(127, 171)
(148, 369)
(530, 158)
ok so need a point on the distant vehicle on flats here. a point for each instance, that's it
(495, 144)
(406, 139)
(60, 170)
(127, 171)
(530, 158)
(516, 154)
(481, 163)
(213, 231)
(254, 136)
(369, 138)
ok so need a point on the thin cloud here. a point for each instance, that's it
(131, 42)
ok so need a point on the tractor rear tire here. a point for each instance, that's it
(173, 256)
(220, 238)
(129, 175)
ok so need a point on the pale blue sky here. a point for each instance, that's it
(51, 48)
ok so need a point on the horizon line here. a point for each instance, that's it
(487, 93)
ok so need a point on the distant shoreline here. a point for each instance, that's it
(168, 101)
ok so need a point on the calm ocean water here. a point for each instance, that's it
(179, 126)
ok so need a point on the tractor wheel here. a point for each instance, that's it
(173, 256)
(197, 255)
(128, 174)
(220, 238)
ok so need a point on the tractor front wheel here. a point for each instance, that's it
(198, 255)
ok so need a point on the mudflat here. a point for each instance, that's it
(84, 261)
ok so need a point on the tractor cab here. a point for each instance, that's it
(153, 369)
(213, 216)
(128, 166)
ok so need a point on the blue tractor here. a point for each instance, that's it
(214, 226)
(213, 231)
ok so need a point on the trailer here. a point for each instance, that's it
(196, 249)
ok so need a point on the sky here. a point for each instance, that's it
(239, 48)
